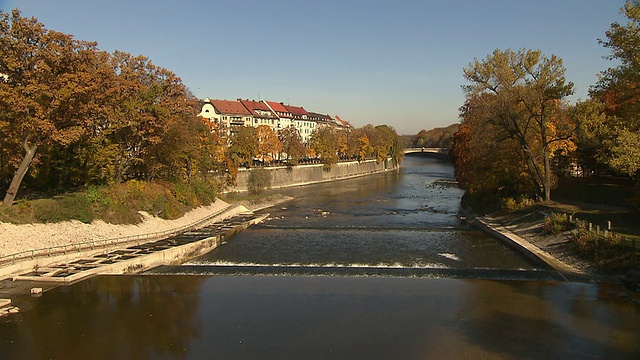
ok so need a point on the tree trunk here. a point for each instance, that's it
(546, 184)
(30, 152)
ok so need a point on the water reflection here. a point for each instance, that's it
(247, 317)
(109, 317)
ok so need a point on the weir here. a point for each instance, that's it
(397, 224)
(356, 271)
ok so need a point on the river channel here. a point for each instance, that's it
(379, 267)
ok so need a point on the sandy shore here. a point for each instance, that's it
(17, 238)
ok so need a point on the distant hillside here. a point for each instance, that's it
(438, 137)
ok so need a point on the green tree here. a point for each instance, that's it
(522, 93)
(617, 89)
(259, 180)
(591, 131)
(292, 144)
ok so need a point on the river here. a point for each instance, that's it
(379, 267)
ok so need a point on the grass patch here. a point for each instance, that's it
(599, 200)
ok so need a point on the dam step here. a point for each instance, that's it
(363, 271)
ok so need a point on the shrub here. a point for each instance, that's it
(607, 251)
(205, 189)
(97, 196)
(514, 205)
(184, 193)
(556, 223)
(117, 203)
(259, 180)
(63, 208)
(21, 213)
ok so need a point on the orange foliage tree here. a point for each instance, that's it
(521, 93)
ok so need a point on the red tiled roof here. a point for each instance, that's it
(296, 110)
(344, 123)
(278, 107)
(230, 107)
(253, 105)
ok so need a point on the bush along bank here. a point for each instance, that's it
(116, 203)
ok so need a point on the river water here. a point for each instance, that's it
(380, 267)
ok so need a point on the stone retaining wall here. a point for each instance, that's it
(283, 176)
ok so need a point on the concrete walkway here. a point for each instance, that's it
(530, 251)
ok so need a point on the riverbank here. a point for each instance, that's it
(26, 237)
(529, 226)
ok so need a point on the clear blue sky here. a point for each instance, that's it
(396, 62)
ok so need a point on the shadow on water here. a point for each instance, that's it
(275, 317)
(108, 317)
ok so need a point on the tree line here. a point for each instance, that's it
(518, 132)
(261, 145)
(440, 137)
(73, 116)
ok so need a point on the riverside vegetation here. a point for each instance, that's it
(519, 139)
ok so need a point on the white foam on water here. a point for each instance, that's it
(449, 256)
(318, 265)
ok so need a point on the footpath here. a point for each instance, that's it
(498, 230)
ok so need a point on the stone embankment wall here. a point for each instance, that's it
(284, 176)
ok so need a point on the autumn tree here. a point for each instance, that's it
(385, 144)
(488, 162)
(435, 138)
(618, 91)
(47, 85)
(342, 139)
(522, 93)
(244, 146)
(359, 145)
(324, 142)
(292, 144)
(268, 143)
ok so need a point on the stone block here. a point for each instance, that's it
(4, 303)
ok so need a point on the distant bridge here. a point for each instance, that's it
(439, 151)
